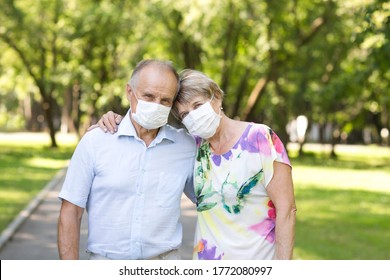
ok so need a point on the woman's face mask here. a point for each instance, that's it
(150, 115)
(203, 121)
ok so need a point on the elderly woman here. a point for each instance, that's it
(242, 178)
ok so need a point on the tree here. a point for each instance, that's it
(275, 60)
(68, 49)
(32, 31)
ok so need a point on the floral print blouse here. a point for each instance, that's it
(236, 218)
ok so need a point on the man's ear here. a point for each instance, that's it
(128, 92)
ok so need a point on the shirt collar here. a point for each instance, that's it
(126, 128)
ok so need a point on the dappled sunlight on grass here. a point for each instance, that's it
(355, 151)
(27, 164)
(354, 224)
(305, 176)
(343, 203)
(45, 163)
(42, 139)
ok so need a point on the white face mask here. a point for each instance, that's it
(203, 121)
(150, 115)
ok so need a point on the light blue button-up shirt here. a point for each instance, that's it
(132, 193)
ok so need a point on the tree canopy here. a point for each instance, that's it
(64, 63)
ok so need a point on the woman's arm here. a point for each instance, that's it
(281, 192)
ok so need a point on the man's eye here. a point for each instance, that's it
(166, 103)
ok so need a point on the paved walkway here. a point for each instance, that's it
(36, 237)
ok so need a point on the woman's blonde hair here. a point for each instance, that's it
(192, 84)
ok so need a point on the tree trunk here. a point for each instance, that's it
(48, 111)
(240, 93)
(47, 107)
(254, 98)
(333, 145)
(66, 123)
(300, 152)
(75, 115)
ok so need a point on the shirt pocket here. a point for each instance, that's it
(169, 190)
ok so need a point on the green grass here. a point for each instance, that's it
(27, 164)
(343, 204)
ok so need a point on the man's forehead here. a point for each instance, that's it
(157, 75)
(157, 70)
(157, 82)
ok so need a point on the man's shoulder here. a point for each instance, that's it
(181, 132)
(181, 135)
(96, 133)
(97, 136)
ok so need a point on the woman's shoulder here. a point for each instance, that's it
(260, 126)
(260, 129)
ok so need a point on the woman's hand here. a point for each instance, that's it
(108, 122)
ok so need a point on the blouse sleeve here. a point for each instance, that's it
(271, 149)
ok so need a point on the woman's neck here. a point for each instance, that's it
(227, 134)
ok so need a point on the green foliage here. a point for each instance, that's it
(275, 60)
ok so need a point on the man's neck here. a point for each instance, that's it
(147, 135)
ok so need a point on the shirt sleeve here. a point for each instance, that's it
(271, 149)
(80, 174)
(189, 189)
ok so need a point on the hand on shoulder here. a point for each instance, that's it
(108, 122)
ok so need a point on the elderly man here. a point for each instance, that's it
(131, 182)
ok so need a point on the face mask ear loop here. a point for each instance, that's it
(132, 89)
(133, 92)
(212, 97)
(220, 108)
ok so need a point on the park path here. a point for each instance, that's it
(36, 237)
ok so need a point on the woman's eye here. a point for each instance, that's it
(197, 105)
(183, 115)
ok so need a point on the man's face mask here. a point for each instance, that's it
(150, 115)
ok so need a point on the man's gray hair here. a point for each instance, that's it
(155, 63)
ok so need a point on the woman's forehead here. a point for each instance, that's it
(193, 99)
(187, 105)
